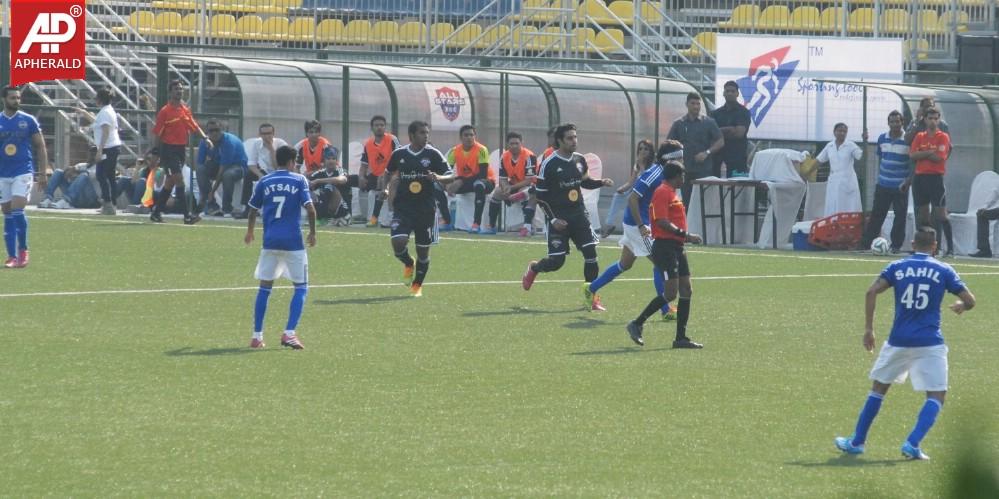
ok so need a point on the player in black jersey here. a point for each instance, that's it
(560, 179)
(328, 185)
(414, 169)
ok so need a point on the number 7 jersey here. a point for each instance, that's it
(279, 197)
(920, 282)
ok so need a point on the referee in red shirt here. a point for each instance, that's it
(174, 124)
(669, 232)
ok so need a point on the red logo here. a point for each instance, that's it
(450, 102)
(48, 40)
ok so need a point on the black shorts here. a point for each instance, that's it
(928, 189)
(468, 185)
(173, 157)
(372, 182)
(670, 257)
(578, 230)
(423, 225)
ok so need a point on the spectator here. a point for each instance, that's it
(919, 124)
(892, 189)
(985, 217)
(108, 145)
(78, 184)
(701, 138)
(260, 160)
(140, 176)
(221, 161)
(733, 122)
(842, 188)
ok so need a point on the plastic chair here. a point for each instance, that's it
(624, 9)
(249, 27)
(895, 21)
(743, 17)
(223, 25)
(384, 33)
(275, 28)
(928, 21)
(831, 19)
(707, 39)
(357, 32)
(329, 30)
(805, 18)
(774, 16)
(861, 21)
(302, 29)
(465, 35)
(167, 23)
(610, 40)
(650, 12)
(411, 33)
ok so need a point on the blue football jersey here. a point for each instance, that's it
(15, 137)
(645, 186)
(920, 282)
(279, 197)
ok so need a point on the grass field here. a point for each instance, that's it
(125, 371)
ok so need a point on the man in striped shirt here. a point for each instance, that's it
(892, 189)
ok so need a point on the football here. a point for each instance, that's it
(880, 246)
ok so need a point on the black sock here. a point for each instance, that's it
(650, 309)
(949, 234)
(182, 199)
(480, 205)
(160, 200)
(422, 266)
(682, 314)
(494, 211)
(591, 270)
(528, 216)
(377, 210)
(405, 258)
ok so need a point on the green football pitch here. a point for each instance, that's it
(125, 371)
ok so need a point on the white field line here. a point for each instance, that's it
(429, 284)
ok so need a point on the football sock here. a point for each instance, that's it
(682, 314)
(867, 415)
(405, 258)
(260, 308)
(422, 266)
(377, 210)
(549, 264)
(480, 202)
(258, 335)
(609, 274)
(949, 234)
(297, 304)
(927, 416)
(659, 281)
(529, 216)
(10, 234)
(651, 309)
(591, 269)
(494, 211)
(182, 199)
(160, 200)
(20, 228)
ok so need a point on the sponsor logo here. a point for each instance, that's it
(573, 195)
(415, 187)
(450, 102)
(768, 74)
(48, 40)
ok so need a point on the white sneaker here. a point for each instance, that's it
(45, 203)
(62, 204)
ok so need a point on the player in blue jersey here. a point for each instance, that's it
(636, 236)
(279, 197)
(23, 145)
(915, 345)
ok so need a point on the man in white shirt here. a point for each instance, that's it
(842, 188)
(108, 145)
(260, 161)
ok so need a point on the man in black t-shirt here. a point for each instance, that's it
(414, 170)
(328, 185)
(560, 180)
(733, 122)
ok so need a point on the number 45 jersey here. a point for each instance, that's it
(920, 282)
(279, 197)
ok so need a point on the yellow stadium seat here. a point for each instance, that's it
(650, 12)
(596, 10)
(189, 25)
(610, 40)
(275, 28)
(831, 19)
(302, 29)
(493, 35)
(223, 25)
(861, 20)
(329, 30)
(257, 6)
(168, 23)
(384, 33)
(142, 21)
(411, 33)
(707, 39)
(357, 32)
(467, 33)
(551, 38)
(287, 4)
(440, 31)
(922, 47)
(624, 9)
(774, 17)
(528, 12)
(581, 36)
(949, 17)
(249, 27)
(928, 21)
(805, 18)
(743, 17)
(523, 37)
(895, 21)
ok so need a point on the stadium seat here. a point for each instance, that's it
(707, 39)
(580, 38)
(493, 35)
(831, 19)
(222, 26)
(530, 14)
(610, 40)
(805, 18)
(928, 21)
(357, 32)
(774, 17)
(384, 33)
(743, 17)
(597, 11)
(411, 33)
(225, 5)
(551, 38)
(286, 4)
(329, 30)
(466, 35)
(275, 28)
(895, 21)
(922, 47)
(523, 37)
(650, 12)
(142, 21)
(623, 9)
(249, 27)
(302, 29)
(440, 31)
(189, 25)
(168, 23)
(961, 18)
(861, 20)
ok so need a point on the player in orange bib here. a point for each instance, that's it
(375, 157)
(470, 161)
(518, 172)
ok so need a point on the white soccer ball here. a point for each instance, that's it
(880, 246)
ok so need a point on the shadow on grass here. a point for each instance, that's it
(621, 350)
(211, 352)
(848, 461)
(364, 301)
(584, 323)
(517, 311)
(120, 224)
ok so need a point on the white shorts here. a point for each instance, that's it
(632, 239)
(19, 186)
(927, 365)
(292, 265)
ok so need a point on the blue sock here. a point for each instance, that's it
(867, 415)
(9, 234)
(927, 416)
(660, 283)
(297, 304)
(21, 226)
(260, 309)
(609, 274)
